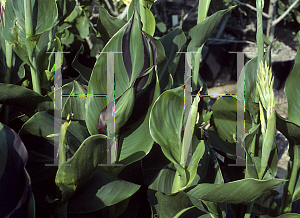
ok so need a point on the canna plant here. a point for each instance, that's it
(156, 159)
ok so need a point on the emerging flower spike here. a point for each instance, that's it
(265, 82)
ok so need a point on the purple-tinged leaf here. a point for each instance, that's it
(15, 183)
(126, 48)
(123, 108)
(138, 55)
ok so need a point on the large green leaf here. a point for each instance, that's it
(172, 43)
(82, 166)
(100, 191)
(241, 191)
(15, 192)
(44, 16)
(221, 145)
(224, 118)
(166, 121)
(25, 100)
(292, 91)
(138, 55)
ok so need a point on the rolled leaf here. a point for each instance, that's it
(138, 55)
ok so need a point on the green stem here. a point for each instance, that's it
(288, 192)
(63, 142)
(36, 81)
(8, 54)
(179, 179)
(28, 18)
(249, 210)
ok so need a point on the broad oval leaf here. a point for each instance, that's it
(26, 100)
(224, 118)
(100, 191)
(166, 121)
(238, 192)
